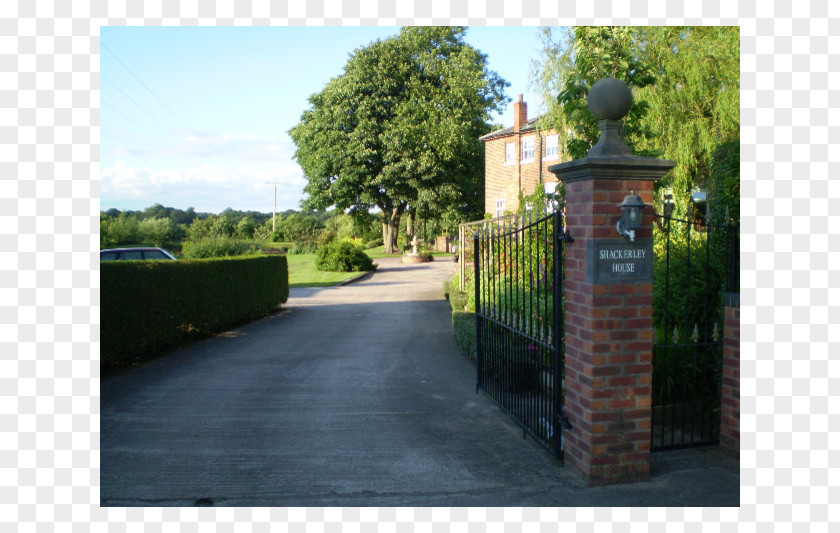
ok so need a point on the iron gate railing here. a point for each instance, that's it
(519, 322)
(694, 264)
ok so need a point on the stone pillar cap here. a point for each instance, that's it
(610, 99)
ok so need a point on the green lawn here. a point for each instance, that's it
(302, 273)
(379, 252)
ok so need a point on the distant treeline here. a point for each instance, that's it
(231, 230)
(180, 216)
(174, 228)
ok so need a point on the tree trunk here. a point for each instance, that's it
(391, 228)
(387, 231)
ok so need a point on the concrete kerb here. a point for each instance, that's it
(362, 275)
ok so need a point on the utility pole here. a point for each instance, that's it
(274, 212)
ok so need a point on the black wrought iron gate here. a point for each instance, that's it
(519, 322)
(692, 266)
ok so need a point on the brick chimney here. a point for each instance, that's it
(520, 114)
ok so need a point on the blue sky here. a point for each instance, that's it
(197, 116)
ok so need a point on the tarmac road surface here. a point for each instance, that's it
(351, 396)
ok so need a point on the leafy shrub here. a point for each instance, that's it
(298, 227)
(213, 226)
(299, 248)
(245, 228)
(689, 280)
(263, 232)
(124, 229)
(207, 247)
(157, 231)
(343, 256)
(327, 236)
(147, 306)
(341, 226)
(375, 243)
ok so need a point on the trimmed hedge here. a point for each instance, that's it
(463, 322)
(463, 319)
(147, 306)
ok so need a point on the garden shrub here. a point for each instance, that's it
(147, 306)
(327, 236)
(300, 248)
(374, 243)
(343, 256)
(688, 291)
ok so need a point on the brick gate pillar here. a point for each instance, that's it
(730, 416)
(609, 302)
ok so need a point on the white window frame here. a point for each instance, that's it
(510, 153)
(552, 141)
(500, 207)
(526, 152)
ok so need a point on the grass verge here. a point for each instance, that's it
(302, 273)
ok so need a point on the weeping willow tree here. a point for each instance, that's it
(685, 82)
(694, 110)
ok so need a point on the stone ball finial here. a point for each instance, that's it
(610, 99)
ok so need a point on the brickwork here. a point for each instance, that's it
(502, 180)
(730, 419)
(609, 338)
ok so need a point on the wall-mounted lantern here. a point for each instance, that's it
(632, 210)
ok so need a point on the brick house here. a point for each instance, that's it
(517, 158)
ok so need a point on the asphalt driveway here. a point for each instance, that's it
(352, 396)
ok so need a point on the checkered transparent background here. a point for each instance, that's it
(49, 281)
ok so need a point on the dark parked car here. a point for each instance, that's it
(129, 254)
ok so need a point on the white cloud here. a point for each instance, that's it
(208, 188)
(208, 171)
(198, 147)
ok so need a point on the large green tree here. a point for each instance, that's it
(399, 129)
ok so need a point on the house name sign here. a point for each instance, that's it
(619, 261)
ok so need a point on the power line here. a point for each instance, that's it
(149, 113)
(140, 81)
(102, 44)
(147, 132)
(104, 77)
